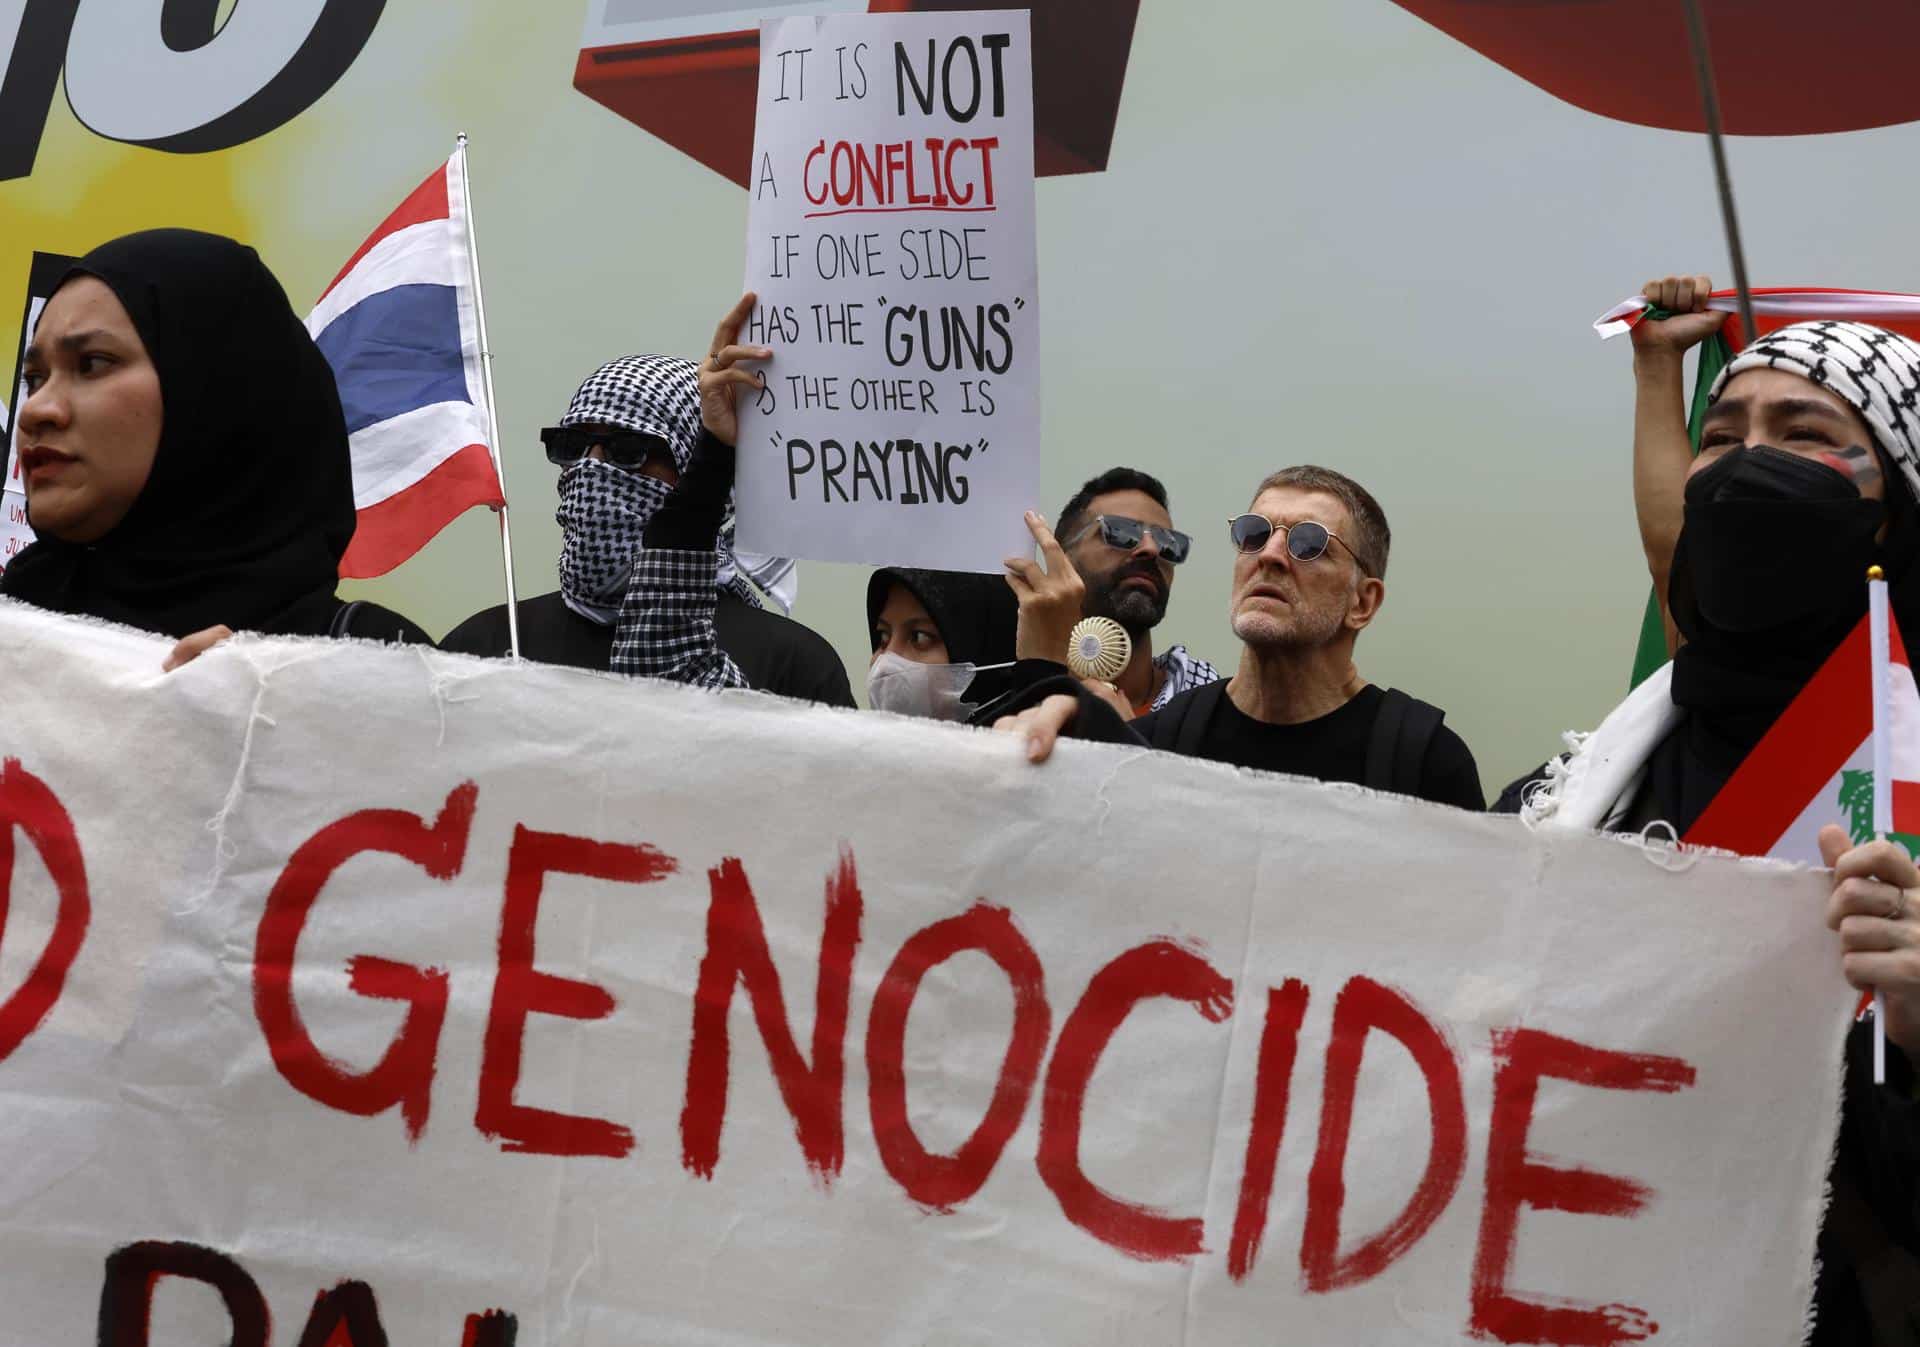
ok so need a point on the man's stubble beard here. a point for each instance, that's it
(1139, 611)
(1300, 630)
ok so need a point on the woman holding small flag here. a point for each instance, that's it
(185, 453)
(1808, 475)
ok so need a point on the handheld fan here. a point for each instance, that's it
(1099, 647)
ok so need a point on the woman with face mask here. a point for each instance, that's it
(184, 452)
(650, 582)
(942, 641)
(1808, 473)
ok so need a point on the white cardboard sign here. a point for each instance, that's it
(890, 240)
(360, 986)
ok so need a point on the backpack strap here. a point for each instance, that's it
(1183, 724)
(343, 619)
(1397, 749)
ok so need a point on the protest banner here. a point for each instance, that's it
(365, 991)
(890, 239)
(42, 276)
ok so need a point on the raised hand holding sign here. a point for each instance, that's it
(903, 425)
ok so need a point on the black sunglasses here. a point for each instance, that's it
(1306, 540)
(1125, 534)
(623, 448)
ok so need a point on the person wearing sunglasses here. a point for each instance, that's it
(1309, 576)
(1112, 554)
(650, 583)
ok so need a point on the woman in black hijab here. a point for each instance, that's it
(942, 640)
(184, 452)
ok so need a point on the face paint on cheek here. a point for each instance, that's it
(1857, 462)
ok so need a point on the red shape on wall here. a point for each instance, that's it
(696, 91)
(1630, 59)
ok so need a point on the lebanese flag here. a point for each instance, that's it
(400, 327)
(1776, 307)
(1816, 765)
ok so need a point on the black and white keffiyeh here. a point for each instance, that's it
(603, 512)
(603, 519)
(1185, 671)
(1874, 371)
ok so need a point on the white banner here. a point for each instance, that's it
(345, 986)
(891, 242)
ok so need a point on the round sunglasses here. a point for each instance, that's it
(623, 448)
(1306, 540)
(1125, 534)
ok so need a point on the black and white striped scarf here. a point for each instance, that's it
(604, 510)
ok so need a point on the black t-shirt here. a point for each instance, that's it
(1330, 748)
(775, 653)
(370, 622)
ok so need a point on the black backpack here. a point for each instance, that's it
(1396, 751)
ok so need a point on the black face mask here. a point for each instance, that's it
(1773, 543)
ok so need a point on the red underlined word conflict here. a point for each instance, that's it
(343, 1315)
(930, 173)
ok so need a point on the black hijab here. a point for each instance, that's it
(976, 614)
(249, 506)
(1735, 679)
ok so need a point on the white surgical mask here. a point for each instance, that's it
(907, 688)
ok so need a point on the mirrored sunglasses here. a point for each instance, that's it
(623, 448)
(1125, 534)
(1306, 539)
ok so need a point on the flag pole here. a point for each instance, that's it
(1879, 658)
(1710, 106)
(493, 419)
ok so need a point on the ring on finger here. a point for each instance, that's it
(1899, 905)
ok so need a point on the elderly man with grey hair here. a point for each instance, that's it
(1309, 576)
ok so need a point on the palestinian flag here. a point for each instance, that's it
(1773, 308)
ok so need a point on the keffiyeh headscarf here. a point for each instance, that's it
(1874, 371)
(604, 509)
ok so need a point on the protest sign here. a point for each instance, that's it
(361, 986)
(890, 239)
(43, 275)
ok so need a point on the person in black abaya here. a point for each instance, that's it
(943, 641)
(1808, 473)
(184, 452)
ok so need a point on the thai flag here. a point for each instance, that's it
(400, 327)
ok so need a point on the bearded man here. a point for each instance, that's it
(1309, 577)
(1113, 553)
